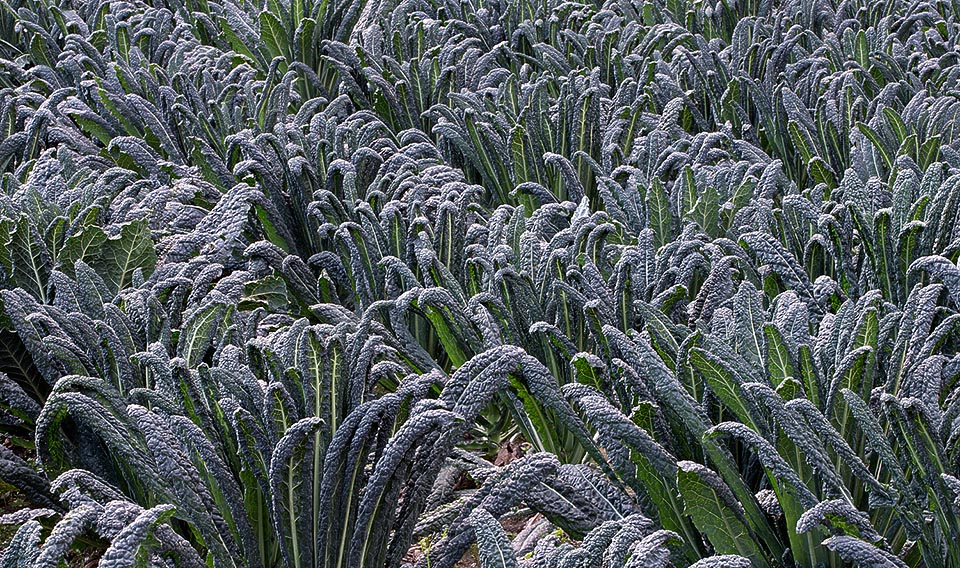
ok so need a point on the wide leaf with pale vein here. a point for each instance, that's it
(716, 512)
(120, 256)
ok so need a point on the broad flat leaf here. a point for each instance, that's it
(30, 259)
(292, 467)
(80, 246)
(201, 329)
(16, 362)
(749, 318)
(778, 357)
(716, 512)
(661, 220)
(269, 293)
(723, 382)
(117, 258)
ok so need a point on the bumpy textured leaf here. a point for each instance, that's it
(862, 554)
(298, 267)
(24, 547)
(722, 561)
(942, 269)
(64, 533)
(132, 546)
(842, 515)
(494, 548)
(652, 550)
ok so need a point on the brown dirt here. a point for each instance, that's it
(469, 559)
(507, 453)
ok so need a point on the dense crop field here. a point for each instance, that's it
(543, 283)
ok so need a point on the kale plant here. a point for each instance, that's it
(283, 281)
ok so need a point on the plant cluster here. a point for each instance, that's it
(278, 278)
